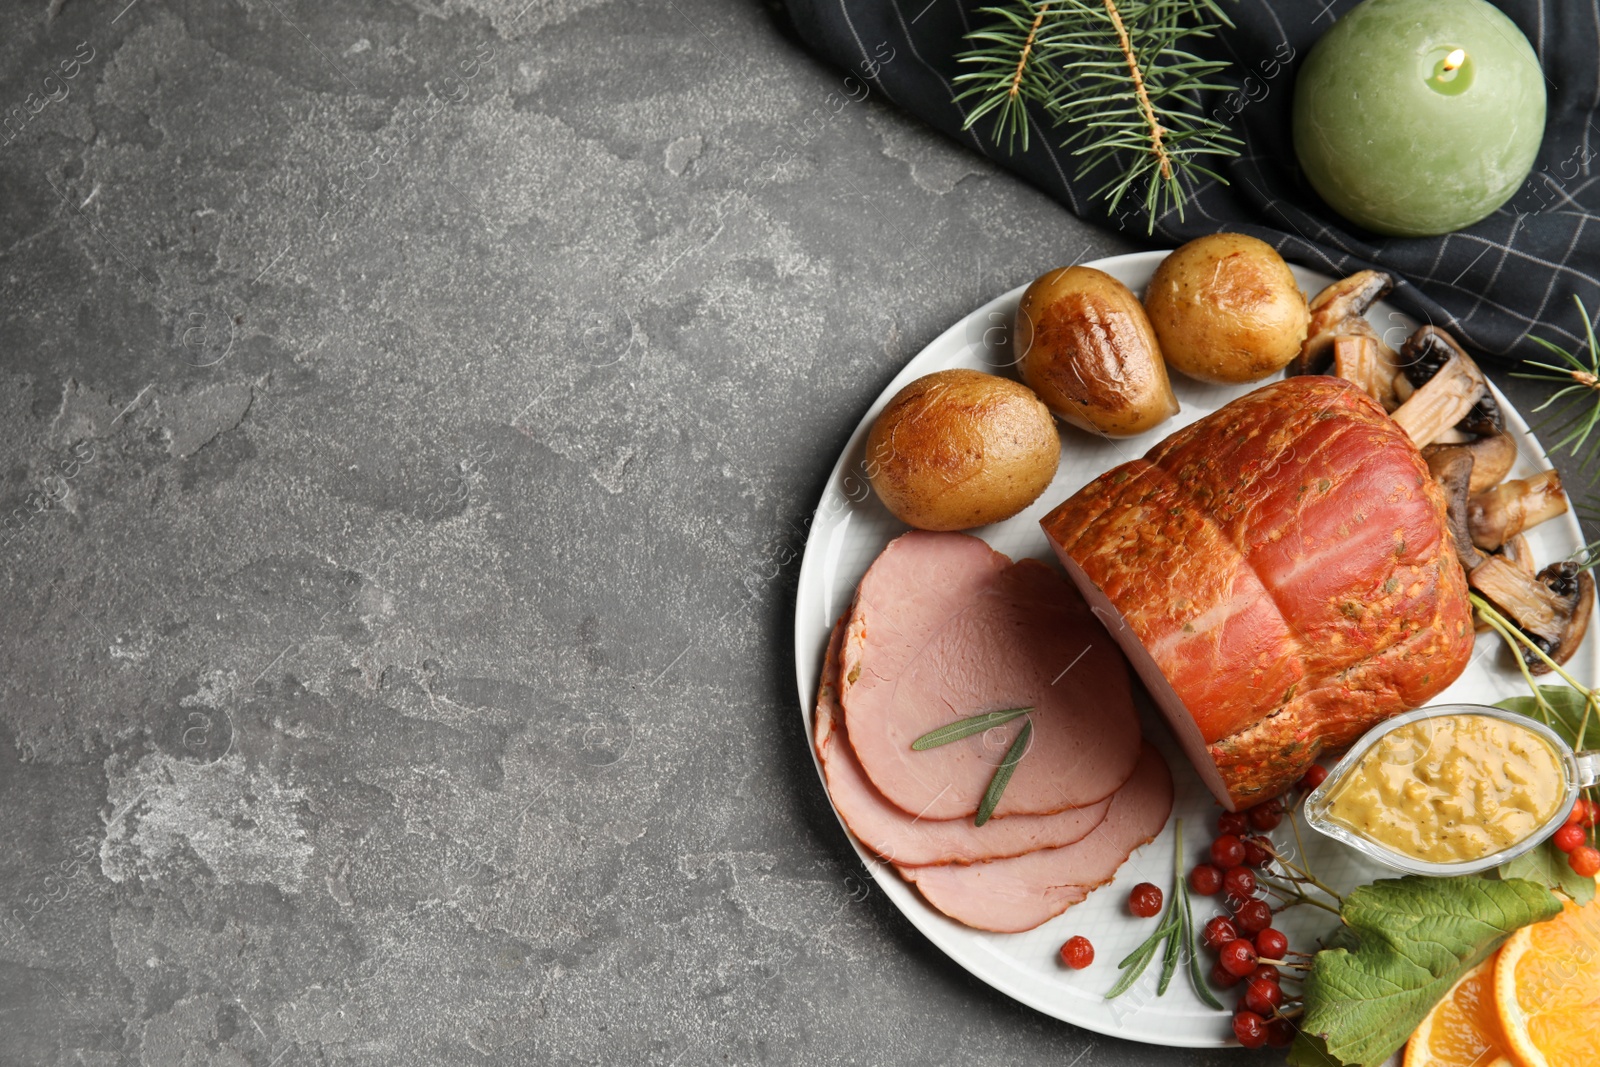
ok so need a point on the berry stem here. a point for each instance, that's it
(1294, 824)
(1299, 896)
(1304, 875)
(1290, 964)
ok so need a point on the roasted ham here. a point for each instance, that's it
(1280, 575)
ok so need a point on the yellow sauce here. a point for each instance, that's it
(1451, 788)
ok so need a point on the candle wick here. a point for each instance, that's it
(1455, 59)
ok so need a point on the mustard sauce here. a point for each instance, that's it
(1451, 788)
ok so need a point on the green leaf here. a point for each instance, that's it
(1414, 938)
(1548, 866)
(1562, 710)
(1003, 773)
(963, 728)
(1309, 1050)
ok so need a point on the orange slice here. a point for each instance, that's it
(1462, 1030)
(1547, 990)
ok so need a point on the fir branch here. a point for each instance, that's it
(1162, 159)
(1027, 50)
(1114, 73)
(1577, 411)
(1011, 70)
(1578, 414)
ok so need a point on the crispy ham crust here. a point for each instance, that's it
(1280, 575)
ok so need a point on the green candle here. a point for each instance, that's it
(1418, 117)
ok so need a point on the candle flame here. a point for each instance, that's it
(1455, 59)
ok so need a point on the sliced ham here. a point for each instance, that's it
(907, 841)
(942, 628)
(1011, 895)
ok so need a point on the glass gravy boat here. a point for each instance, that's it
(1578, 769)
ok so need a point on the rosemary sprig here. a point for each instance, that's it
(1196, 976)
(1134, 963)
(1169, 959)
(1002, 774)
(977, 724)
(1176, 933)
(1115, 73)
(964, 728)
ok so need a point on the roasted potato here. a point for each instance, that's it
(960, 448)
(1226, 309)
(1089, 352)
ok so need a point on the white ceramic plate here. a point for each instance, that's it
(851, 527)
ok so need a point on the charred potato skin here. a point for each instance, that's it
(960, 448)
(1226, 308)
(1089, 352)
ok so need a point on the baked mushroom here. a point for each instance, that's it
(1357, 359)
(1552, 607)
(1449, 389)
(1338, 314)
(1520, 554)
(1451, 467)
(1518, 551)
(1505, 510)
(1493, 456)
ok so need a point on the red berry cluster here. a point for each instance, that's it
(1245, 937)
(1573, 837)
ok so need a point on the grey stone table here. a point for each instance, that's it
(408, 413)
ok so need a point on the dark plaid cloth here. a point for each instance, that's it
(1493, 284)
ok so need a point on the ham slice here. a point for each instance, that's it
(943, 627)
(1011, 895)
(910, 842)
